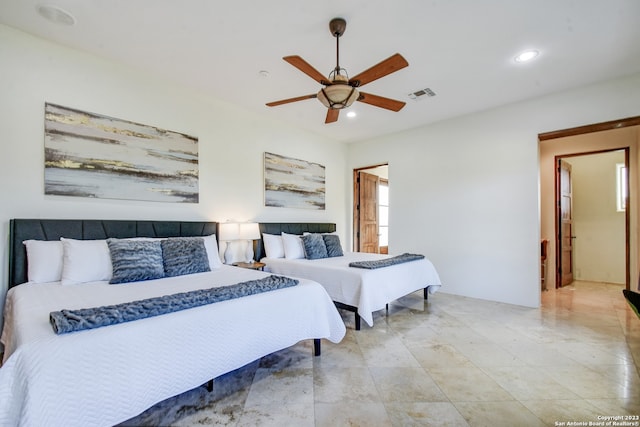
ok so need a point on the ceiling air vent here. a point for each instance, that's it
(422, 94)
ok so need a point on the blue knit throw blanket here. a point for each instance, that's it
(386, 262)
(65, 321)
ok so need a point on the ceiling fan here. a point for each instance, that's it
(339, 90)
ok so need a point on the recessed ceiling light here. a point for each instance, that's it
(527, 55)
(351, 114)
(55, 14)
(263, 73)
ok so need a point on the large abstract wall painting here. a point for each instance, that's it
(90, 155)
(293, 183)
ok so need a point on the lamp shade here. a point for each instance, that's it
(249, 231)
(339, 95)
(229, 231)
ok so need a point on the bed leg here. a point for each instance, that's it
(357, 321)
(209, 386)
(316, 346)
(426, 293)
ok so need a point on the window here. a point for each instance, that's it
(621, 187)
(383, 213)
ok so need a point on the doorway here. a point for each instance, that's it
(596, 138)
(371, 209)
(591, 217)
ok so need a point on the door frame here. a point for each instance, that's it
(558, 219)
(356, 202)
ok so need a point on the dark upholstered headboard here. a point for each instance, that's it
(87, 229)
(291, 228)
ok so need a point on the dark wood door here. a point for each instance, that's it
(368, 213)
(565, 216)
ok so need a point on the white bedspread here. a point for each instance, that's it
(104, 376)
(368, 290)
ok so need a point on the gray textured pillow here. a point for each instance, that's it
(314, 247)
(184, 255)
(332, 243)
(135, 260)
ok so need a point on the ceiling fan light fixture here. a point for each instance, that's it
(338, 96)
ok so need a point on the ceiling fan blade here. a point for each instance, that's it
(332, 115)
(306, 68)
(382, 102)
(390, 65)
(286, 101)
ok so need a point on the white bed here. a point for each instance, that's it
(357, 288)
(104, 376)
(107, 375)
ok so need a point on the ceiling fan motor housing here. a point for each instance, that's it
(337, 26)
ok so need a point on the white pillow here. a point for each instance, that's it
(213, 253)
(273, 245)
(293, 247)
(44, 260)
(85, 261)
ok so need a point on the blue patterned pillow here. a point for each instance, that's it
(135, 260)
(314, 247)
(184, 255)
(332, 243)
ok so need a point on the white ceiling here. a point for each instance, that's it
(462, 49)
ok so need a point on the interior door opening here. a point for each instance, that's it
(371, 209)
(603, 137)
(592, 217)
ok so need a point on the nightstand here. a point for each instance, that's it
(250, 265)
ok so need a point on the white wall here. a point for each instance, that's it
(231, 141)
(465, 192)
(599, 246)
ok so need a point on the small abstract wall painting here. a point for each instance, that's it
(90, 155)
(293, 183)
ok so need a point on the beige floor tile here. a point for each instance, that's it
(460, 335)
(488, 354)
(438, 356)
(498, 414)
(539, 354)
(284, 414)
(595, 354)
(299, 355)
(497, 332)
(529, 383)
(467, 383)
(627, 406)
(406, 385)
(345, 354)
(425, 414)
(563, 411)
(351, 414)
(590, 384)
(294, 386)
(333, 385)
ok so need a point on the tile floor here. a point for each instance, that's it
(451, 361)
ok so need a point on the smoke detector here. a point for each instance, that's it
(55, 14)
